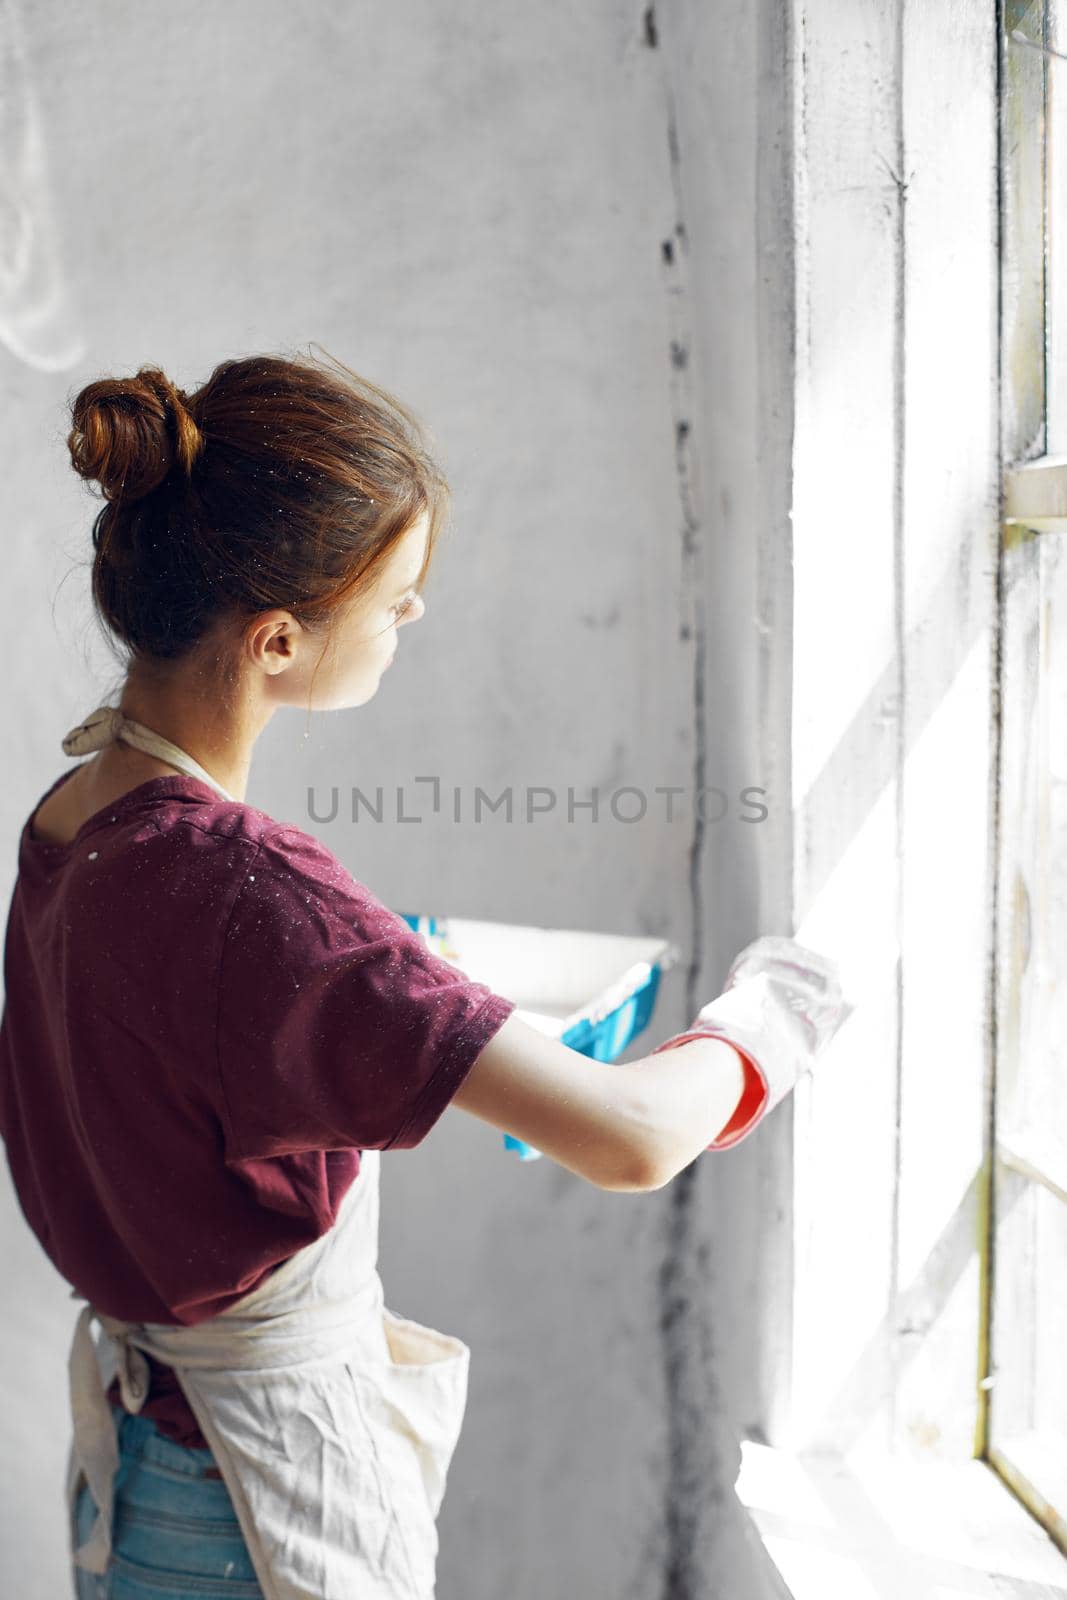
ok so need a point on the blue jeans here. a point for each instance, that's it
(175, 1535)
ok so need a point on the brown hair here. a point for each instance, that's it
(281, 482)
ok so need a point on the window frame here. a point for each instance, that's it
(1034, 510)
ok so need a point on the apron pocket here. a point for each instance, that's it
(424, 1394)
(418, 1399)
(415, 1401)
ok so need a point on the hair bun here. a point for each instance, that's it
(127, 433)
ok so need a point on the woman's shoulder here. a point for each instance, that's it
(284, 876)
(286, 848)
(292, 864)
(201, 836)
(281, 846)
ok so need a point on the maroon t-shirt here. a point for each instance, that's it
(206, 1018)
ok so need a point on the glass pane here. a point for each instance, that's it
(1032, 1102)
(1029, 1396)
(1056, 224)
(1023, 300)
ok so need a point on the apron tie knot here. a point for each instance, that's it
(134, 1374)
(94, 1453)
(107, 724)
(100, 727)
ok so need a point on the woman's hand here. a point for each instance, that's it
(782, 1005)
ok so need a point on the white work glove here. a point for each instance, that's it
(781, 1006)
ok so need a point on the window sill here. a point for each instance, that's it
(889, 1528)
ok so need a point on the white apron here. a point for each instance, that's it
(332, 1420)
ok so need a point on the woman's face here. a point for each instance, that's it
(347, 668)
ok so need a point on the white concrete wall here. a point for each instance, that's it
(472, 208)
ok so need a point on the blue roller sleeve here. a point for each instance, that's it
(602, 1040)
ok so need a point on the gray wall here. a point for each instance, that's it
(472, 207)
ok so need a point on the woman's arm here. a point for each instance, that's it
(628, 1127)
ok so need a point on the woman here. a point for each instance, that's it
(212, 1030)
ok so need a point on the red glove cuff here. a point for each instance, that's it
(753, 1101)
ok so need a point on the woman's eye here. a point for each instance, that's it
(404, 605)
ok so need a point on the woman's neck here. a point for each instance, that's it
(217, 731)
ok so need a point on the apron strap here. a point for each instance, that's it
(107, 724)
(95, 1448)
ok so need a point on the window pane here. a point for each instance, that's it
(1031, 1097)
(1029, 1396)
(1056, 157)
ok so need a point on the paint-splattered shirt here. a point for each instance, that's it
(206, 1018)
